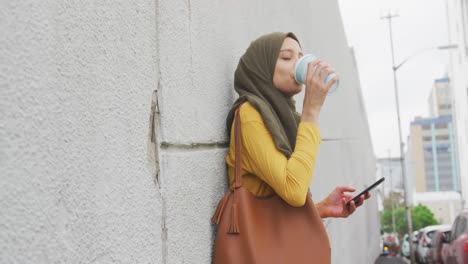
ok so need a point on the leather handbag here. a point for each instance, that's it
(266, 229)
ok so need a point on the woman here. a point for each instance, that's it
(279, 145)
(277, 148)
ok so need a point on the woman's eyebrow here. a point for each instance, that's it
(291, 50)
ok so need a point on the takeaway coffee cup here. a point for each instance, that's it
(300, 72)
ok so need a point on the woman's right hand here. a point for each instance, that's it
(316, 89)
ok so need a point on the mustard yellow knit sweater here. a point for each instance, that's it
(265, 169)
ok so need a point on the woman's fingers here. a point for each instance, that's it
(351, 207)
(330, 83)
(345, 189)
(326, 70)
(360, 201)
(317, 72)
(311, 68)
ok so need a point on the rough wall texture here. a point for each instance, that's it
(76, 86)
(76, 81)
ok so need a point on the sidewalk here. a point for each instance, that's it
(391, 260)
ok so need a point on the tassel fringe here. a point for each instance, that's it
(216, 218)
(219, 210)
(234, 227)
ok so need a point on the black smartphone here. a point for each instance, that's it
(356, 198)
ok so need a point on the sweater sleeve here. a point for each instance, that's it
(289, 178)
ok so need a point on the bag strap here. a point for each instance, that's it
(238, 150)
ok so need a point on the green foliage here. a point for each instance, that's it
(421, 217)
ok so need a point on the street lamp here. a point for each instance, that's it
(403, 171)
(443, 47)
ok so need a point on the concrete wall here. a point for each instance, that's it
(75, 89)
(76, 100)
(457, 15)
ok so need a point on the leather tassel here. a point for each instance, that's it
(234, 227)
(219, 210)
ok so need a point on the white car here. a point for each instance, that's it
(425, 236)
(405, 246)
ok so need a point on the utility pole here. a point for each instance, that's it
(389, 17)
(392, 196)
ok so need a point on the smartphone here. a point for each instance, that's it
(356, 198)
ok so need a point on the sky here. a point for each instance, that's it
(421, 25)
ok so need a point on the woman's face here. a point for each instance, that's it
(283, 77)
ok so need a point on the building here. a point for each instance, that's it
(457, 16)
(440, 98)
(390, 168)
(432, 155)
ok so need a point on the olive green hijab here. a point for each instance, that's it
(253, 81)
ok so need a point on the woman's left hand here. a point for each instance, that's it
(335, 203)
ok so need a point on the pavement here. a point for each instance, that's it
(391, 260)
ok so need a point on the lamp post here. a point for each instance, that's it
(391, 192)
(403, 171)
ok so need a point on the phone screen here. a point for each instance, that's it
(356, 198)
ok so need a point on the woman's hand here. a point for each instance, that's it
(335, 203)
(316, 89)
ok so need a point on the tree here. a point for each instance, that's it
(421, 217)
(386, 218)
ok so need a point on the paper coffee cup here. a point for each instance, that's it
(300, 72)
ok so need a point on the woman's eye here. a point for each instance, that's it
(286, 58)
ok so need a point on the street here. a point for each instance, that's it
(391, 260)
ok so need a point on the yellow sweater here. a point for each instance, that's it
(266, 170)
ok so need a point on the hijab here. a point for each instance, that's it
(253, 81)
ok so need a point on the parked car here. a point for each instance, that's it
(433, 255)
(405, 246)
(425, 236)
(415, 241)
(456, 250)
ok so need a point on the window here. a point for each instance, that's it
(430, 234)
(460, 228)
(447, 236)
(445, 106)
(465, 227)
(441, 126)
(427, 138)
(443, 137)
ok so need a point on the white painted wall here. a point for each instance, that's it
(76, 87)
(457, 15)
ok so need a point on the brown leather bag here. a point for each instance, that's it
(266, 229)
